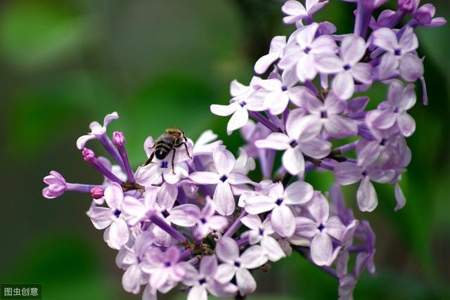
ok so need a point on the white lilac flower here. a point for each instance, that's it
(279, 201)
(245, 99)
(300, 138)
(224, 178)
(347, 67)
(262, 233)
(321, 228)
(301, 52)
(238, 265)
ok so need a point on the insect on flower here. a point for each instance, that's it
(169, 141)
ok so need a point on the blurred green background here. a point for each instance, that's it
(160, 64)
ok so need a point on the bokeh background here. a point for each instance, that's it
(160, 64)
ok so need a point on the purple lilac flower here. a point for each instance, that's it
(224, 177)
(262, 233)
(302, 51)
(276, 50)
(278, 201)
(296, 12)
(245, 99)
(112, 217)
(320, 228)
(328, 113)
(393, 112)
(204, 280)
(235, 264)
(300, 138)
(201, 223)
(347, 67)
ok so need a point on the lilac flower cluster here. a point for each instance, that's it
(203, 222)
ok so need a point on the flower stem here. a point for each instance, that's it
(109, 147)
(266, 122)
(236, 224)
(78, 187)
(167, 228)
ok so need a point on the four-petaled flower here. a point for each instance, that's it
(261, 232)
(301, 137)
(235, 264)
(347, 67)
(224, 177)
(279, 201)
(112, 217)
(320, 229)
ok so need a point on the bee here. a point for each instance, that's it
(169, 141)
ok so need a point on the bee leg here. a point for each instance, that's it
(185, 147)
(149, 160)
(187, 150)
(173, 160)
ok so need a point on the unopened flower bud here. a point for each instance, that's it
(424, 15)
(408, 5)
(118, 138)
(97, 192)
(88, 154)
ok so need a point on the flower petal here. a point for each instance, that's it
(227, 250)
(283, 221)
(366, 196)
(237, 120)
(347, 173)
(253, 257)
(245, 282)
(319, 208)
(272, 248)
(117, 234)
(352, 49)
(343, 85)
(399, 197)
(114, 195)
(252, 222)
(131, 279)
(197, 292)
(386, 39)
(225, 272)
(224, 161)
(293, 161)
(224, 199)
(205, 177)
(299, 192)
(224, 110)
(275, 140)
(328, 64)
(258, 204)
(406, 124)
(322, 249)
